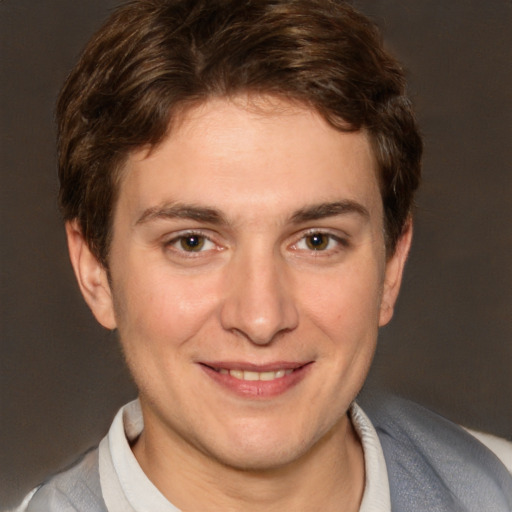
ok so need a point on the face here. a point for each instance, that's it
(248, 279)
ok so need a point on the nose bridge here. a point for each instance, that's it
(259, 301)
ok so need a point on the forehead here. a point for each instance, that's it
(248, 152)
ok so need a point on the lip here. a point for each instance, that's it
(257, 389)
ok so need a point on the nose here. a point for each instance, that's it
(259, 303)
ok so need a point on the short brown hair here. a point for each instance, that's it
(153, 57)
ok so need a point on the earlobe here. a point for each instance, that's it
(91, 276)
(393, 276)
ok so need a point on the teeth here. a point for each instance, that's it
(252, 376)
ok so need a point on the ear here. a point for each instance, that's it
(91, 276)
(393, 275)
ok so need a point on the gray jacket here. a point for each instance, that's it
(433, 466)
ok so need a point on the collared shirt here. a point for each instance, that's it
(126, 487)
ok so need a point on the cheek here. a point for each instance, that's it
(347, 303)
(159, 310)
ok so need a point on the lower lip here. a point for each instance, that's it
(258, 388)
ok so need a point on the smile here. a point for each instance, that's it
(257, 381)
(253, 376)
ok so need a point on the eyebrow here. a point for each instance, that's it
(213, 216)
(182, 211)
(325, 210)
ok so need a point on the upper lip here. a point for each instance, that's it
(252, 367)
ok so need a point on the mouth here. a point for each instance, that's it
(250, 380)
(253, 376)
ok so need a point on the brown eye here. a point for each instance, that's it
(192, 243)
(317, 241)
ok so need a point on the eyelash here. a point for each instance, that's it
(205, 239)
(180, 238)
(340, 242)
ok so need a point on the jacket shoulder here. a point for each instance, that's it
(433, 464)
(76, 489)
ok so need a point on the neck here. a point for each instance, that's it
(330, 476)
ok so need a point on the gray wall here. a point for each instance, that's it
(450, 344)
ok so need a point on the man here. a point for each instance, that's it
(237, 181)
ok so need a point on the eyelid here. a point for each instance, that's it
(342, 239)
(171, 241)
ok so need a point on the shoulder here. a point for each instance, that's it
(500, 447)
(76, 489)
(432, 460)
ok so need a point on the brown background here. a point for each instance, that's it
(450, 344)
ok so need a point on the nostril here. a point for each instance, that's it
(258, 305)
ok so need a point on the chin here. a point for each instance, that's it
(264, 449)
(259, 459)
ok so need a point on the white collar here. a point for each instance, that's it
(126, 487)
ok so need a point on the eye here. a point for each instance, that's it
(192, 242)
(318, 241)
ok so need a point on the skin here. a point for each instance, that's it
(289, 267)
